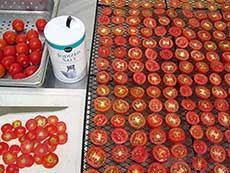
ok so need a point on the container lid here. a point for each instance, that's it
(64, 30)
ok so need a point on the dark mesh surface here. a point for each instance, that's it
(91, 95)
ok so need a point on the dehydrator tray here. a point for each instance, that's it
(92, 95)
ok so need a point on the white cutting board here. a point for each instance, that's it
(74, 101)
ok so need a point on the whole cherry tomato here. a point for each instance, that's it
(23, 60)
(35, 44)
(10, 37)
(30, 70)
(22, 48)
(18, 25)
(15, 68)
(40, 24)
(32, 34)
(35, 57)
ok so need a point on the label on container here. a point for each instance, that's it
(69, 62)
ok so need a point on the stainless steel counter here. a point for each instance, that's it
(85, 10)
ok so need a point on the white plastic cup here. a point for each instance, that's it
(65, 37)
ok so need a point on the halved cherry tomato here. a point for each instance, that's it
(132, 30)
(117, 121)
(160, 31)
(184, 79)
(119, 135)
(135, 66)
(224, 119)
(119, 65)
(195, 44)
(166, 43)
(136, 168)
(166, 54)
(214, 134)
(221, 105)
(135, 53)
(134, 41)
(186, 67)
(205, 105)
(102, 77)
(199, 163)
(170, 92)
(139, 78)
(106, 41)
(200, 147)
(152, 65)
(175, 31)
(100, 120)
(106, 2)
(176, 135)
(182, 54)
(194, 22)
(103, 90)
(154, 120)
(171, 105)
(189, 33)
(120, 106)
(161, 153)
(196, 131)
(120, 78)
(186, 91)
(153, 92)
(192, 118)
(104, 52)
(215, 79)
(146, 32)
(182, 42)
(102, 63)
(202, 67)
(157, 136)
(180, 165)
(150, 22)
(96, 157)
(138, 138)
(136, 120)
(103, 20)
(202, 92)
(139, 105)
(118, 30)
(156, 167)
(9, 157)
(179, 151)
(98, 137)
(217, 153)
(220, 168)
(106, 11)
(169, 80)
(133, 21)
(137, 92)
(172, 120)
(200, 79)
(139, 154)
(154, 78)
(155, 105)
(149, 43)
(102, 104)
(207, 118)
(169, 67)
(120, 91)
(120, 153)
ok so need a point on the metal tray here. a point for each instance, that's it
(29, 11)
(90, 111)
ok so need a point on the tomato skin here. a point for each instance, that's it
(139, 154)
(119, 135)
(161, 153)
(9, 37)
(200, 146)
(30, 70)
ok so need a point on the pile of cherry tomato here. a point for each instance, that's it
(20, 50)
(37, 142)
(163, 105)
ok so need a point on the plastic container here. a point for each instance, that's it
(65, 37)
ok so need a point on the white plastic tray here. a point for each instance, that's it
(67, 105)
